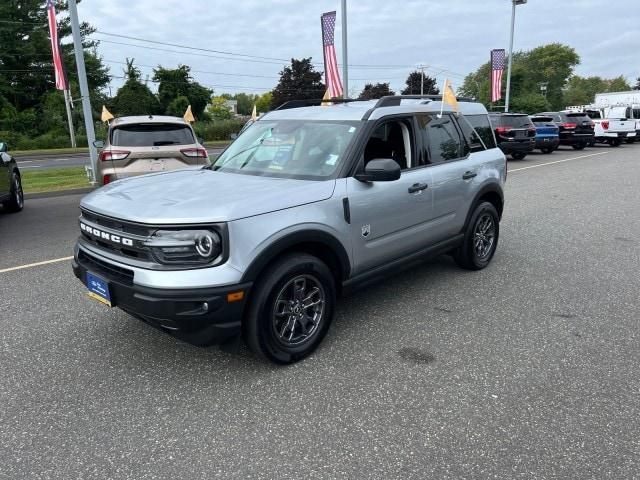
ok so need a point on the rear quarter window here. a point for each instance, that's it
(482, 128)
(151, 135)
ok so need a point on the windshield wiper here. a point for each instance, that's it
(250, 147)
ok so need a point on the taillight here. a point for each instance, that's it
(532, 132)
(605, 124)
(569, 125)
(503, 130)
(194, 152)
(107, 155)
(106, 179)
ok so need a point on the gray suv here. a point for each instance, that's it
(308, 203)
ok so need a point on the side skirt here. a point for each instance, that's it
(381, 272)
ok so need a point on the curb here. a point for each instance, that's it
(58, 193)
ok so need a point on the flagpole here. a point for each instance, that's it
(67, 104)
(84, 87)
(446, 81)
(345, 62)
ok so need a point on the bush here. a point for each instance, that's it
(218, 129)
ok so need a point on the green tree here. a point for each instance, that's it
(414, 81)
(637, 85)
(551, 64)
(299, 81)
(263, 102)
(173, 83)
(134, 97)
(582, 90)
(530, 103)
(178, 106)
(618, 84)
(218, 108)
(25, 53)
(373, 91)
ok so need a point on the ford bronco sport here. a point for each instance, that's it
(305, 205)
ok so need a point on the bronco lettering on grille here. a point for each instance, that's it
(106, 235)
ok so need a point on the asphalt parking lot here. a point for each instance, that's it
(528, 369)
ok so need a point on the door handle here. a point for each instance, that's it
(418, 187)
(468, 175)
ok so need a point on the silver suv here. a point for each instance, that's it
(307, 204)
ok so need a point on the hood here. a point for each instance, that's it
(202, 196)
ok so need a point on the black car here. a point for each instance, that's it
(515, 133)
(11, 195)
(576, 129)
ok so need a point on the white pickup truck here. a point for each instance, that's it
(611, 125)
(630, 100)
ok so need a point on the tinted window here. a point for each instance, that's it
(151, 135)
(482, 128)
(581, 117)
(636, 113)
(441, 138)
(513, 121)
(541, 120)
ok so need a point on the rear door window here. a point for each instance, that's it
(151, 135)
(482, 128)
(440, 138)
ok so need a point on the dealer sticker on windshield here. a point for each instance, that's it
(98, 289)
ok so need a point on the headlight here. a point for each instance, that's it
(185, 247)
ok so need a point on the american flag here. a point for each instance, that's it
(497, 68)
(332, 74)
(61, 75)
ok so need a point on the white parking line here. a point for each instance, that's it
(37, 264)
(31, 166)
(557, 161)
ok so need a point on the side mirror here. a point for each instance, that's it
(380, 170)
(99, 144)
(3, 147)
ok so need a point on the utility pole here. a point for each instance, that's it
(67, 104)
(513, 25)
(84, 87)
(345, 62)
(422, 80)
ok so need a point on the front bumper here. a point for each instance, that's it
(201, 316)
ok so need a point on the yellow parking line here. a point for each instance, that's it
(37, 264)
(558, 161)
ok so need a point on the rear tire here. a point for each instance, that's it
(547, 151)
(578, 146)
(480, 238)
(518, 156)
(16, 202)
(278, 325)
(631, 140)
(615, 142)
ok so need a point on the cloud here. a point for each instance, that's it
(455, 35)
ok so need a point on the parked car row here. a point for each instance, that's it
(518, 134)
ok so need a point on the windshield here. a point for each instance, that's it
(289, 148)
(151, 135)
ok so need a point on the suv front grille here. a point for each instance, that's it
(125, 229)
(113, 272)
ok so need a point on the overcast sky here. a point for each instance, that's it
(451, 35)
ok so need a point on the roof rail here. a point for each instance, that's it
(396, 100)
(313, 102)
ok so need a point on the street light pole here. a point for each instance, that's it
(84, 87)
(513, 24)
(345, 62)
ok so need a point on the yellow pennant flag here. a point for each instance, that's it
(254, 113)
(449, 96)
(188, 116)
(106, 114)
(325, 99)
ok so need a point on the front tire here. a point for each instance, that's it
(16, 202)
(292, 309)
(480, 238)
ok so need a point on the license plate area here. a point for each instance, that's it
(98, 289)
